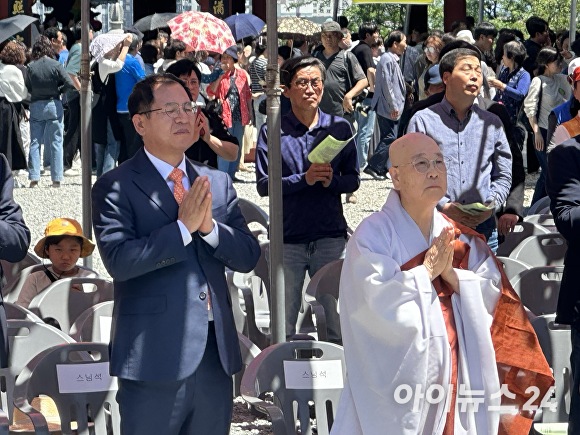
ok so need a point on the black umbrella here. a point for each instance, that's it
(13, 25)
(155, 21)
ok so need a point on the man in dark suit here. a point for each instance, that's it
(563, 185)
(14, 241)
(166, 242)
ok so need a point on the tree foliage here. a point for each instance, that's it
(501, 13)
(514, 13)
(386, 16)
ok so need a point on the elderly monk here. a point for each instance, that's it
(429, 321)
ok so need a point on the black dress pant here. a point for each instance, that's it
(72, 131)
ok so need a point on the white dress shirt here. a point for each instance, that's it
(164, 170)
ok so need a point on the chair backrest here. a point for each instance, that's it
(556, 344)
(298, 373)
(521, 231)
(541, 205)
(16, 312)
(26, 339)
(235, 281)
(539, 288)
(12, 270)
(76, 377)
(12, 290)
(262, 268)
(249, 352)
(94, 324)
(254, 214)
(541, 250)
(545, 220)
(513, 267)
(65, 304)
(323, 287)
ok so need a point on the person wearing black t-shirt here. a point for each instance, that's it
(368, 34)
(215, 140)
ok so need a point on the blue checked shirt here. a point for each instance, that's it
(480, 161)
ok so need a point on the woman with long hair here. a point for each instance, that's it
(548, 89)
(46, 81)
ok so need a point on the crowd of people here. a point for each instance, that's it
(454, 113)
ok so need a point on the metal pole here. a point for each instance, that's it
(335, 10)
(277, 311)
(407, 19)
(85, 127)
(480, 11)
(572, 22)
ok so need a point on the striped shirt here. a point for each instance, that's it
(257, 72)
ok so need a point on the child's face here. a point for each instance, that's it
(65, 254)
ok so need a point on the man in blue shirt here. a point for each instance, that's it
(388, 102)
(472, 140)
(314, 224)
(125, 79)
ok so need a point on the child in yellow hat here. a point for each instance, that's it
(63, 244)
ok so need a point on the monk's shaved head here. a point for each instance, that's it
(403, 149)
(418, 171)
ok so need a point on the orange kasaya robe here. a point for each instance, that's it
(520, 360)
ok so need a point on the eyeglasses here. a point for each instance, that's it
(173, 109)
(431, 50)
(422, 165)
(303, 83)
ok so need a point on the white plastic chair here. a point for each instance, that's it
(298, 374)
(521, 231)
(254, 214)
(64, 304)
(75, 377)
(545, 220)
(513, 267)
(539, 288)
(94, 324)
(12, 290)
(12, 270)
(26, 339)
(541, 250)
(16, 312)
(322, 296)
(556, 344)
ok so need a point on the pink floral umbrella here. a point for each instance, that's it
(201, 31)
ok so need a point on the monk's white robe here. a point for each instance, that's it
(394, 332)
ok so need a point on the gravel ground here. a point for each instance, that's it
(44, 203)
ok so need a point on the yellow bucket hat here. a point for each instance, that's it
(64, 227)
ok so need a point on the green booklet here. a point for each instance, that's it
(551, 428)
(327, 149)
(476, 207)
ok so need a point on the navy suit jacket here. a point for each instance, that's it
(563, 185)
(160, 318)
(14, 241)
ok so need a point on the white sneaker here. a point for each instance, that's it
(72, 172)
(45, 170)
